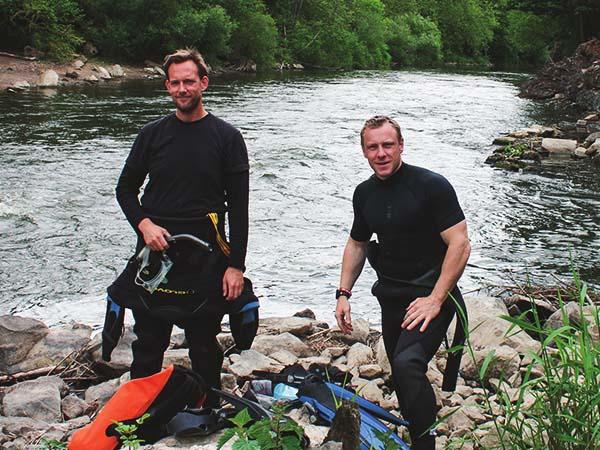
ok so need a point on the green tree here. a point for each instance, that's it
(48, 25)
(415, 40)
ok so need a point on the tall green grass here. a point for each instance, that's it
(557, 405)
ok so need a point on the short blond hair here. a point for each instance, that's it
(376, 122)
(183, 55)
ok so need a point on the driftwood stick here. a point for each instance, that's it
(11, 55)
(16, 377)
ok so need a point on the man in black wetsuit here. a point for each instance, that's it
(197, 166)
(422, 250)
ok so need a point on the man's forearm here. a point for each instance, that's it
(453, 266)
(353, 261)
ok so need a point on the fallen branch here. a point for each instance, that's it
(11, 55)
(6, 380)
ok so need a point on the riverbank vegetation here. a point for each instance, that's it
(340, 34)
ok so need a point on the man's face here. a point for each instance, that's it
(383, 150)
(185, 86)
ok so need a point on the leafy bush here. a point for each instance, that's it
(415, 40)
(48, 25)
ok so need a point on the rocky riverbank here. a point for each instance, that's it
(575, 79)
(527, 148)
(54, 381)
(21, 73)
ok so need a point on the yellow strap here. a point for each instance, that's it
(223, 245)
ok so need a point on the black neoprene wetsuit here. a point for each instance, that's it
(193, 168)
(408, 211)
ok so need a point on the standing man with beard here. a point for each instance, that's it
(197, 166)
(422, 250)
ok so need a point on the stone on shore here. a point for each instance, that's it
(504, 364)
(103, 73)
(18, 335)
(566, 146)
(381, 357)
(73, 406)
(78, 64)
(116, 71)
(20, 86)
(360, 332)
(359, 354)
(121, 357)
(250, 361)
(284, 357)
(504, 140)
(55, 346)
(298, 326)
(38, 399)
(267, 344)
(48, 79)
(98, 395)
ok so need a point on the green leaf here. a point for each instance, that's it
(241, 418)
(228, 434)
(291, 442)
(486, 362)
(245, 444)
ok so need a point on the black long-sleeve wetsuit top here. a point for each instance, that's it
(407, 211)
(193, 168)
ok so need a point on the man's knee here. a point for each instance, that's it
(409, 366)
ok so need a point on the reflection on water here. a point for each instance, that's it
(64, 238)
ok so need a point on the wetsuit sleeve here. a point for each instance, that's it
(360, 228)
(237, 196)
(444, 204)
(131, 179)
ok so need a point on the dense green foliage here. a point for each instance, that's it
(342, 34)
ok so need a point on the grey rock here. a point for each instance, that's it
(369, 371)
(49, 79)
(306, 313)
(92, 79)
(335, 352)
(228, 381)
(103, 73)
(55, 346)
(267, 344)
(22, 426)
(552, 145)
(121, 356)
(381, 357)
(38, 399)
(319, 360)
(298, 326)
(250, 361)
(359, 354)
(177, 356)
(98, 395)
(360, 332)
(575, 318)
(580, 153)
(505, 363)
(504, 140)
(284, 357)
(225, 340)
(159, 71)
(20, 85)
(591, 139)
(73, 406)
(331, 445)
(78, 64)
(18, 335)
(494, 331)
(116, 71)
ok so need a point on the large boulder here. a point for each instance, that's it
(504, 364)
(49, 79)
(566, 146)
(18, 335)
(267, 344)
(359, 354)
(104, 74)
(576, 315)
(121, 357)
(381, 357)
(116, 71)
(55, 346)
(298, 326)
(360, 332)
(38, 399)
(249, 361)
(490, 330)
(99, 394)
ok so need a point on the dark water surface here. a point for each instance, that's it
(64, 239)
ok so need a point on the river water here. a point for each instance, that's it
(64, 239)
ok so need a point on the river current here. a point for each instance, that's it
(64, 239)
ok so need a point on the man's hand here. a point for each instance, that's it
(422, 309)
(233, 282)
(154, 236)
(342, 315)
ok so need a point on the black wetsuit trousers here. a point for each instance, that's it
(409, 352)
(153, 338)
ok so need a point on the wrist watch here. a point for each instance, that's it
(343, 292)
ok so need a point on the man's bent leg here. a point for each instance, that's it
(153, 337)
(205, 352)
(414, 350)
